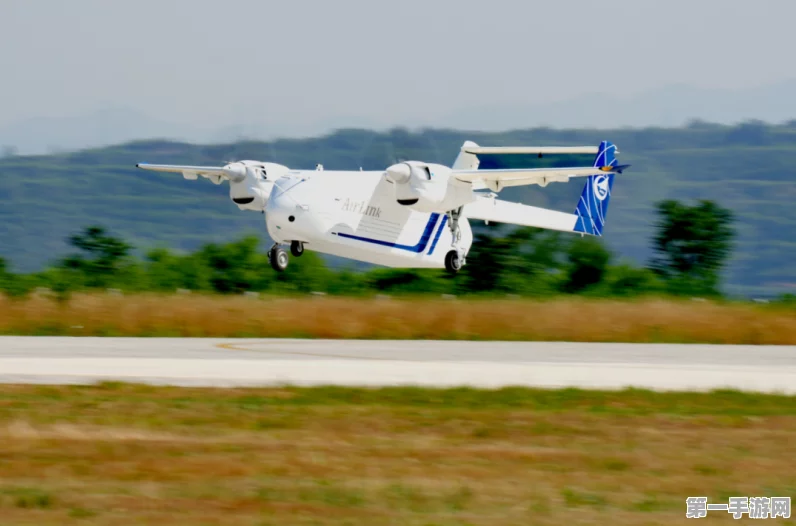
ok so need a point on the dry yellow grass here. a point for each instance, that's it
(570, 319)
(110, 455)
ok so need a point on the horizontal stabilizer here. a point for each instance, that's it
(590, 212)
(498, 179)
(532, 150)
(618, 168)
(465, 169)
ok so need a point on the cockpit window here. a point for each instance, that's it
(262, 172)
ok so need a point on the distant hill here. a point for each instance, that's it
(749, 168)
(666, 106)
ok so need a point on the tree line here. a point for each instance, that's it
(691, 242)
(744, 167)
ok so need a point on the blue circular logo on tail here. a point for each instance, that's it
(600, 187)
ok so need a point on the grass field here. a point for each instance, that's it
(568, 319)
(119, 454)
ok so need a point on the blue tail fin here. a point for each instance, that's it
(606, 155)
(593, 205)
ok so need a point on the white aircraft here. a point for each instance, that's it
(411, 215)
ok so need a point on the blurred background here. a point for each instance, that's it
(698, 97)
(507, 428)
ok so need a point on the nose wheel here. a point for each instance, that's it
(278, 258)
(296, 248)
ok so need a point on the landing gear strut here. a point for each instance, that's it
(453, 222)
(296, 248)
(454, 259)
(278, 258)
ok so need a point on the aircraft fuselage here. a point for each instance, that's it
(355, 214)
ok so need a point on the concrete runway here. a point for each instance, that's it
(259, 362)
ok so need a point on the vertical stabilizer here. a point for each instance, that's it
(593, 204)
(466, 161)
(606, 155)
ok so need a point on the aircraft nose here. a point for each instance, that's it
(288, 217)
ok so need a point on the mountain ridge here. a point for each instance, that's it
(748, 168)
(669, 106)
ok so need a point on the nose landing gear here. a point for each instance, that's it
(296, 248)
(278, 257)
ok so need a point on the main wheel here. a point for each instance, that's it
(453, 263)
(296, 248)
(278, 259)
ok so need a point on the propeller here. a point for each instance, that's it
(236, 151)
(399, 173)
(234, 168)
(408, 178)
(406, 172)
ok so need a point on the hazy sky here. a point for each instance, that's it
(213, 63)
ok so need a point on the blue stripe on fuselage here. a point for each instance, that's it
(418, 248)
(439, 232)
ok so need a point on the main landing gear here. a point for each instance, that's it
(453, 223)
(278, 257)
(454, 259)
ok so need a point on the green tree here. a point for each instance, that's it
(236, 267)
(587, 262)
(60, 280)
(167, 271)
(692, 244)
(13, 284)
(5, 276)
(307, 273)
(521, 261)
(102, 256)
(485, 263)
(534, 260)
(407, 281)
(627, 280)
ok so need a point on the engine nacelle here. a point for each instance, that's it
(427, 187)
(252, 187)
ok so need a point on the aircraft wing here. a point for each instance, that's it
(499, 179)
(214, 173)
